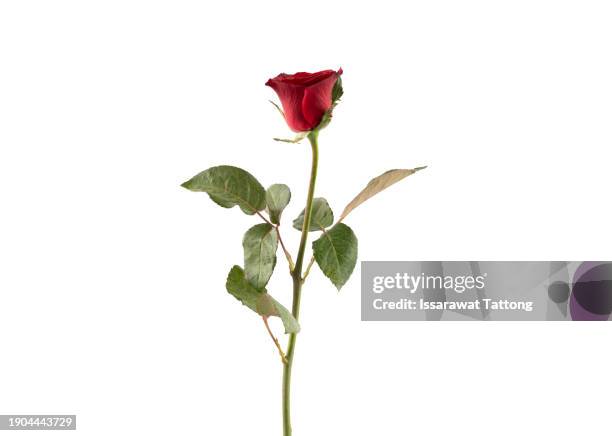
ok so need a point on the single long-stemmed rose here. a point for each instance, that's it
(308, 100)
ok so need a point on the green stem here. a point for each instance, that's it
(297, 284)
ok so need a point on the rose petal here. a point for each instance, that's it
(291, 97)
(318, 99)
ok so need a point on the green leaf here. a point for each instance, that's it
(277, 199)
(237, 285)
(336, 253)
(265, 305)
(258, 301)
(377, 185)
(230, 186)
(260, 243)
(337, 91)
(290, 323)
(320, 218)
(221, 202)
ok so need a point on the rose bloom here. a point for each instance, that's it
(305, 97)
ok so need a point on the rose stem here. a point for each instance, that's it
(297, 284)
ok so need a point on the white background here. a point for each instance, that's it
(112, 299)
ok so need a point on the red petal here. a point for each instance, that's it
(318, 99)
(291, 97)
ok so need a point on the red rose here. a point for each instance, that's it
(305, 97)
